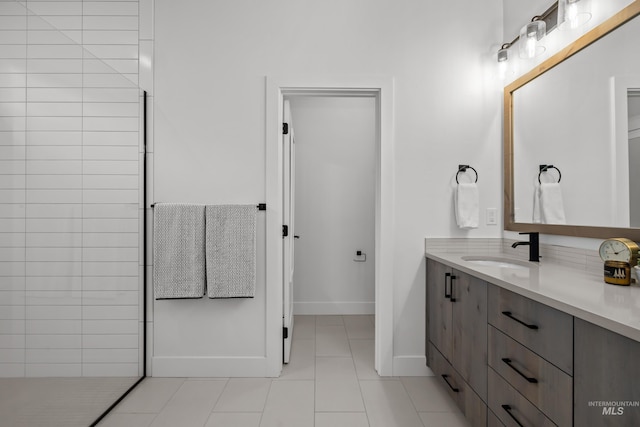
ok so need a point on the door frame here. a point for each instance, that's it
(288, 144)
(382, 89)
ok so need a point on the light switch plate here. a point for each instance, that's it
(492, 216)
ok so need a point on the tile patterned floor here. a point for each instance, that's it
(57, 402)
(330, 382)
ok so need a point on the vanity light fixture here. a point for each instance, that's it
(503, 53)
(573, 13)
(530, 36)
(503, 58)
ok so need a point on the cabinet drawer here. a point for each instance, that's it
(511, 408)
(474, 409)
(543, 329)
(546, 386)
(450, 379)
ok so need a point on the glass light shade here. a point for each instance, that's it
(530, 36)
(503, 61)
(573, 13)
(503, 55)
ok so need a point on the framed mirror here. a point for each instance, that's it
(578, 113)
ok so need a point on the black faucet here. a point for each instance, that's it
(534, 246)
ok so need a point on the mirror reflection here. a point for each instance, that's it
(582, 117)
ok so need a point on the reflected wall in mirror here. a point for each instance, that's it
(633, 108)
(579, 111)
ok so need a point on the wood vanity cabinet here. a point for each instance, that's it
(508, 360)
(457, 331)
(606, 377)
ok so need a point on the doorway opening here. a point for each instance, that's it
(329, 207)
(381, 91)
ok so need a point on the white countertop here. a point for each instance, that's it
(579, 293)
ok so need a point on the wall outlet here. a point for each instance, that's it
(492, 216)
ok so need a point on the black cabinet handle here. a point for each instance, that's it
(446, 276)
(509, 315)
(530, 379)
(451, 297)
(507, 409)
(444, 377)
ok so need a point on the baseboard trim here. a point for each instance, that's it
(335, 307)
(211, 367)
(411, 366)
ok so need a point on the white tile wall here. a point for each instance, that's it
(50, 312)
(61, 23)
(69, 188)
(53, 283)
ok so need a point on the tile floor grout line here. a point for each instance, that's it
(364, 404)
(212, 411)
(412, 402)
(266, 399)
(167, 402)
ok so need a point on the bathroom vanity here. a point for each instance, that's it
(532, 344)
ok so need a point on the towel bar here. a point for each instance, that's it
(545, 168)
(259, 206)
(463, 168)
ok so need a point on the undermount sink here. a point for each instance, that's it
(499, 262)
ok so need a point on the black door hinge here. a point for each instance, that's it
(285, 230)
(285, 128)
(285, 332)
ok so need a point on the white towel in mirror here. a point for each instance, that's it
(551, 204)
(537, 215)
(467, 205)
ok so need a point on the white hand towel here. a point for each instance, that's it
(537, 218)
(467, 205)
(551, 204)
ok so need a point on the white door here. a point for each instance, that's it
(288, 151)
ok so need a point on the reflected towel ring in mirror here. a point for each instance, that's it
(545, 168)
(463, 168)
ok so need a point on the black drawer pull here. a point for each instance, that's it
(507, 409)
(509, 315)
(451, 297)
(446, 276)
(508, 362)
(444, 377)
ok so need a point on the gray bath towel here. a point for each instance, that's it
(231, 251)
(178, 251)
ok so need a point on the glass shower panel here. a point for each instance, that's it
(70, 207)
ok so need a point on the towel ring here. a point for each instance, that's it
(545, 168)
(463, 168)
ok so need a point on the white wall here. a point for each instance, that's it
(335, 141)
(211, 62)
(69, 189)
